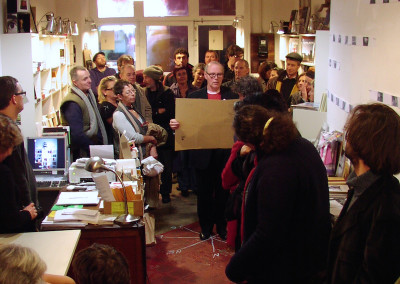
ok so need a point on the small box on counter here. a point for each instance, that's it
(135, 206)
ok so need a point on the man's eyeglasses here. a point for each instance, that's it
(21, 94)
(214, 75)
(238, 56)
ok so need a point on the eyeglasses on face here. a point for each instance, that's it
(129, 92)
(21, 94)
(238, 56)
(214, 75)
(109, 89)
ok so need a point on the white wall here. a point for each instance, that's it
(363, 68)
(321, 70)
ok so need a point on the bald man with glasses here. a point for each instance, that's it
(209, 163)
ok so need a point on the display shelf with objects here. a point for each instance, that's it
(304, 44)
(41, 64)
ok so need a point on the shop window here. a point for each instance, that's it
(163, 8)
(115, 8)
(162, 42)
(217, 8)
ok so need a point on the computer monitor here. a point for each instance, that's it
(48, 153)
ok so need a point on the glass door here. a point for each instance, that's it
(228, 37)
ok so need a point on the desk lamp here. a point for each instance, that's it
(96, 165)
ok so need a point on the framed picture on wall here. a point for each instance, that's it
(23, 6)
(33, 19)
(24, 24)
(304, 14)
(12, 26)
(292, 19)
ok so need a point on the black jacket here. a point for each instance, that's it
(162, 98)
(365, 241)
(286, 219)
(12, 219)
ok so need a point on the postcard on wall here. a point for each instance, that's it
(204, 124)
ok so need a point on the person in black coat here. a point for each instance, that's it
(14, 216)
(12, 97)
(209, 163)
(162, 102)
(364, 245)
(286, 223)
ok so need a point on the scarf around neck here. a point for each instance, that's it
(94, 115)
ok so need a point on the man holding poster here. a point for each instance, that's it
(209, 163)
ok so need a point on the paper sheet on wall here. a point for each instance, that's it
(216, 40)
(204, 124)
(107, 41)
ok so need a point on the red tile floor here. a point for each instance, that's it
(181, 257)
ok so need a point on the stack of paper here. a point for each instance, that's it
(84, 198)
(49, 223)
(72, 214)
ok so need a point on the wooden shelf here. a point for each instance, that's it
(304, 44)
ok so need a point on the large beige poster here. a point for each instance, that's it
(204, 124)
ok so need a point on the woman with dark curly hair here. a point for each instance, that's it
(264, 72)
(181, 88)
(246, 86)
(286, 222)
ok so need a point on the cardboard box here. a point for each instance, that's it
(135, 207)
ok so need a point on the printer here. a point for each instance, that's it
(78, 174)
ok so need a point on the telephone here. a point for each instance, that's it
(262, 46)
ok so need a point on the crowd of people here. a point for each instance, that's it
(267, 196)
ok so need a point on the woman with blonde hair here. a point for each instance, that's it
(21, 265)
(108, 104)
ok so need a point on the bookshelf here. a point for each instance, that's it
(41, 64)
(304, 44)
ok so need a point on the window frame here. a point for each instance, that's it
(192, 22)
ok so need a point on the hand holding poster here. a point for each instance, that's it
(204, 124)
